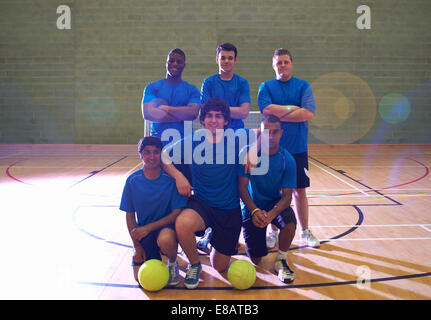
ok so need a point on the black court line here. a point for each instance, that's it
(357, 181)
(93, 173)
(356, 226)
(293, 286)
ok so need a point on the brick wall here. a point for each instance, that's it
(84, 85)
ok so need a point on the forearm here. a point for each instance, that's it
(298, 115)
(288, 113)
(182, 113)
(282, 204)
(163, 222)
(245, 194)
(151, 112)
(240, 112)
(279, 111)
(170, 169)
(131, 224)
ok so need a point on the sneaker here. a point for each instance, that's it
(285, 274)
(174, 274)
(191, 280)
(309, 239)
(272, 239)
(204, 243)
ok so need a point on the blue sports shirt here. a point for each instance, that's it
(175, 94)
(150, 199)
(214, 169)
(267, 188)
(234, 91)
(295, 92)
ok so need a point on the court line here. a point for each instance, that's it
(423, 226)
(390, 187)
(377, 239)
(409, 182)
(343, 181)
(97, 171)
(334, 238)
(74, 219)
(291, 286)
(361, 201)
(357, 181)
(374, 226)
(11, 176)
(67, 167)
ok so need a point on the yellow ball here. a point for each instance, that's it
(153, 275)
(241, 274)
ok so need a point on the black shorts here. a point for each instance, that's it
(302, 178)
(225, 224)
(149, 244)
(255, 237)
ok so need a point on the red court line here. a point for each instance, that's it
(11, 176)
(395, 186)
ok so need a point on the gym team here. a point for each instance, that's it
(170, 202)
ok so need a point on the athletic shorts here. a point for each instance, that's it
(225, 225)
(149, 244)
(302, 178)
(255, 237)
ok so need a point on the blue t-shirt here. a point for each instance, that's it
(150, 199)
(292, 92)
(266, 188)
(175, 94)
(214, 169)
(234, 91)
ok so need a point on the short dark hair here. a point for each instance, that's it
(215, 104)
(227, 47)
(178, 51)
(271, 119)
(281, 52)
(149, 141)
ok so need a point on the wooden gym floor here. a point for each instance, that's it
(63, 236)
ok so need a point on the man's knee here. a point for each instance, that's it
(189, 220)
(166, 239)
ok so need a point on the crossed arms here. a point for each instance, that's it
(288, 113)
(159, 111)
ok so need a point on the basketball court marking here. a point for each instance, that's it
(323, 241)
(357, 193)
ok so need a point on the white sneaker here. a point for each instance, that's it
(204, 243)
(309, 238)
(272, 239)
(285, 274)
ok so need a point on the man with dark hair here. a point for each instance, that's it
(233, 89)
(215, 202)
(152, 203)
(267, 199)
(228, 86)
(171, 101)
(291, 99)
